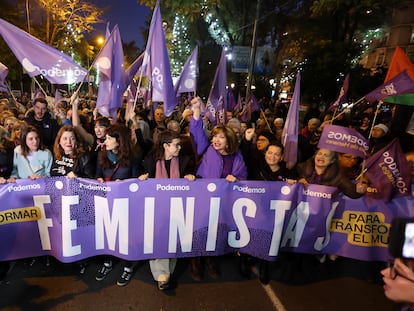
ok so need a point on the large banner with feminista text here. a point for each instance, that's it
(72, 219)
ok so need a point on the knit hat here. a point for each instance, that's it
(382, 127)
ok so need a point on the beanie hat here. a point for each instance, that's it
(382, 127)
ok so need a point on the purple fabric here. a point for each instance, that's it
(343, 95)
(187, 81)
(72, 219)
(254, 104)
(211, 165)
(134, 68)
(231, 101)
(239, 104)
(291, 128)
(389, 172)
(344, 140)
(400, 84)
(4, 71)
(221, 111)
(198, 135)
(157, 65)
(38, 58)
(218, 89)
(110, 63)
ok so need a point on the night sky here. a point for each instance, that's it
(130, 17)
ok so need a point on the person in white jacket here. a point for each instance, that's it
(31, 159)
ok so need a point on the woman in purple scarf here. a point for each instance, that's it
(165, 161)
(220, 158)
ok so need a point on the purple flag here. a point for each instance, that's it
(239, 104)
(134, 67)
(187, 81)
(343, 95)
(221, 112)
(218, 89)
(231, 101)
(4, 71)
(157, 64)
(290, 129)
(110, 63)
(38, 58)
(58, 96)
(253, 103)
(389, 172)
(400, 84)
(38, 94)
(343, 139)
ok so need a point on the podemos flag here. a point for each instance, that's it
(38, 58)
(157, 65)
(3, 74)
(389, 172)
(291, 128)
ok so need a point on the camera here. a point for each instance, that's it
(401, 238)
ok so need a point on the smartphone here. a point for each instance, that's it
(401, 242)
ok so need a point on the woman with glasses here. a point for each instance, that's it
(350, 165)
(399, 283)
(166, 161)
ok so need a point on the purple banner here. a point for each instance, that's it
(344, 140)
(72, 219)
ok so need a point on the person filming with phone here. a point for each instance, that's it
(399, 276)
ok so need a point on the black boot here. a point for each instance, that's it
(212, 267)
(264, 272)
(244, 265)
(196, 270)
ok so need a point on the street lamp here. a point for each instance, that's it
(100, 40)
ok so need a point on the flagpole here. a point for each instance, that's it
(334, 114)
(253, 51)
(375, 118)
(341, 113)
(11, 93)
(363, 169)
(38, 84)
(267, 123)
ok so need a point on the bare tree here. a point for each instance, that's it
(67, 20)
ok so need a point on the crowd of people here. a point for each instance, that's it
(69, 138)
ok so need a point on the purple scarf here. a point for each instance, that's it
(161, 171)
